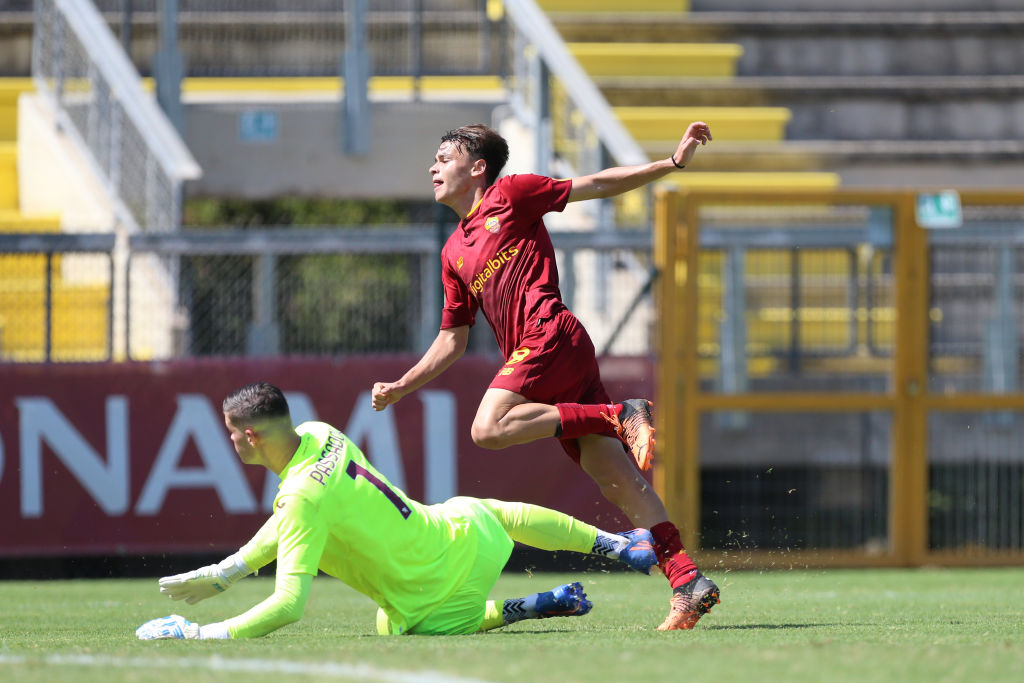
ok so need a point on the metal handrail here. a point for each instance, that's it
(112, 62)
(531, 21)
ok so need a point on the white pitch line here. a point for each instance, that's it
(362, 672)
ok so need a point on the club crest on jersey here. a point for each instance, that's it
(492, 224)
(459, 262)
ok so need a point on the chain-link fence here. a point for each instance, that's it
(787, 298)
(96, 95)
(977, 301)
(285, 292)
(793, 481)
(260, 38)
(850, 381)
(56, 300)
(788, 295)
(571, 116)
(976, 480)
(275, 291)
(976, 471)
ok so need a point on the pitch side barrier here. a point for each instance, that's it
(274, 291)
(905, 451)
(99, 459)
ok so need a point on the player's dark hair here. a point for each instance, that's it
(254, 402)
(481, 142)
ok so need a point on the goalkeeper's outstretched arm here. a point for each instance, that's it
(213, 579)
(284, 607)
(295, 571)
(205, 582)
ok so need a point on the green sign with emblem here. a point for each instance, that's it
(939, 210)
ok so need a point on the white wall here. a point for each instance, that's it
(53, 176)
(304, 156)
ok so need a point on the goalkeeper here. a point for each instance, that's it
(429, 568)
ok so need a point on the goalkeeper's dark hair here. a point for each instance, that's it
(255, 402)
(481, 142)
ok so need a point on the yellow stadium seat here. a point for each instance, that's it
(8, 176)
(332, 85)
(657, 59)
(10, 90)
(754, 181)
(79, 324)
(12, 220)
(614, 6)
(727, 123)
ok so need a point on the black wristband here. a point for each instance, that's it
(673, 158)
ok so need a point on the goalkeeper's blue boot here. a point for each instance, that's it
(639, 554)
(565, 601)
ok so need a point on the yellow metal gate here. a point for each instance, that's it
(790, 323)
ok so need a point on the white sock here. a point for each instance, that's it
(517, 609)
(609, 545)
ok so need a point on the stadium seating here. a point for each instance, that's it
(79, 310)
(8, 176)
(727, 123)
(862, 104)
(614, 5)
(635, 75)
(600, 59)
(332, 86)
(640, 70)
(10, 88)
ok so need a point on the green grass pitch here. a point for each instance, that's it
(810, 625)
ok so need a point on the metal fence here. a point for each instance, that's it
(56, 300)
(273, 291)
(260, 38)
(80, 69)
(842, 387)
(573, 124)
(844, 384)
(286, 292)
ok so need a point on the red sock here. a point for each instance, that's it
(677, 565)
(578, 419)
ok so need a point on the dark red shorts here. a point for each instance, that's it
(556, 363)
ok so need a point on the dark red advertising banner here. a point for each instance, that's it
(134, 458)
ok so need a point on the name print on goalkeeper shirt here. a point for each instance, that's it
(325, 465)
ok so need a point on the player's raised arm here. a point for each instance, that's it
(448, 346)
(619, 179)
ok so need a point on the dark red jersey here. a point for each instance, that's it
(500, 259)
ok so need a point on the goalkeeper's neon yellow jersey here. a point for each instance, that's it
(335, 512)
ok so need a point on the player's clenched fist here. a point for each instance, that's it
(384, 394)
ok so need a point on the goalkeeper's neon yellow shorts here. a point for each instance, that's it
(463, 612)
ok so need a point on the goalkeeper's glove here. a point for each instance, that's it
(176, 627)
(201, 583)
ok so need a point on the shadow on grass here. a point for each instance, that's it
(758, 627)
